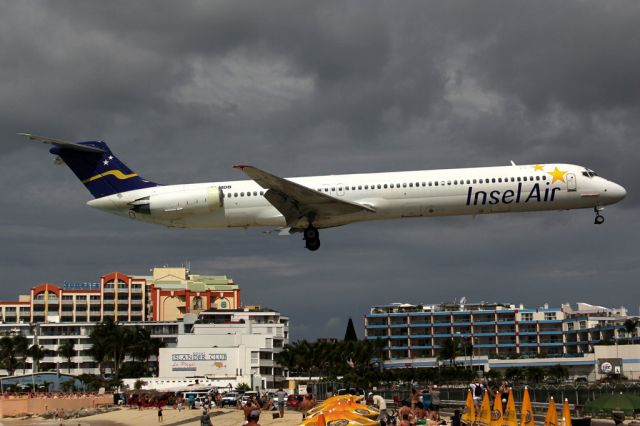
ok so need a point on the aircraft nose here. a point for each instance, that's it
(616, 192)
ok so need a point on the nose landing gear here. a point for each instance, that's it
(311, 238)
(599, 220)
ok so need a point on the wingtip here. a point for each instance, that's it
(240, 166)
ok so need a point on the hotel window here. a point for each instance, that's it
(548, 316)
(527, 316)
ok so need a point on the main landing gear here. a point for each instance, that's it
(311, 238)
(599, 218)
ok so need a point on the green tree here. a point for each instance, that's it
(630, 326)
(557, 372)
(534, 374)
(350, 334)
(514, 374)
(67, 350)
(449, 350)
(37, 354)
(13, 352)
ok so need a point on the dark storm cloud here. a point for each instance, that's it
(181, 90)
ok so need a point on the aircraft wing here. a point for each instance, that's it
(62, 144)
(297, 201)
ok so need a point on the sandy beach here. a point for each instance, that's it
(127, 416)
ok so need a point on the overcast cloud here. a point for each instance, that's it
(183, 90)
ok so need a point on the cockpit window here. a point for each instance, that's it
(589, 173)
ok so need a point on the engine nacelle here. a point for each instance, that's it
(191, 201)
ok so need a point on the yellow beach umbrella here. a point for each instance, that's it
(510, 417)
(526, 414)
(339, 418)
(551, 419)
(566, 413)
(469, 412)
(484, 414)
(496, 413)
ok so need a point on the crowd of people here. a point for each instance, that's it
(421, 408)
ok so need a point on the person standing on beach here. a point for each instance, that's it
(205, 420)
(281, 395)
(160, 419)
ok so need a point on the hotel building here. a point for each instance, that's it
(412, 335)
(166, 295)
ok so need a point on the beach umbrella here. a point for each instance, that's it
(469, 412)
(526, 413)
(496, 413)
(339, 418)
(510, 417)
(566, 413)
(623, 402)
(484, 414)
(551, 419)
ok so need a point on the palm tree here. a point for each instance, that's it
(37, 353)
(21, 345)
(630, 326)
(8, 356)
(110, 343)
(449, 350)
(67, 350)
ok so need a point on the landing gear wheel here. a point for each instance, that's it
(311, 238)
(311, 233)
(599, 218)
(312, 245)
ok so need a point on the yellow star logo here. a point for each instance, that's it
(557, 175)
(538, 168)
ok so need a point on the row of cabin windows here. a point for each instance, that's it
(409, 184)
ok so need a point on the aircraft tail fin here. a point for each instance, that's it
(101, 172)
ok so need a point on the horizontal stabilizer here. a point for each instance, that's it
(63, 144)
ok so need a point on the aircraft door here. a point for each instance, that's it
(571, 182)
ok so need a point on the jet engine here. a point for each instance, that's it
(189, 201)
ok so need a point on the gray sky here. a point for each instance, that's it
(183, 90)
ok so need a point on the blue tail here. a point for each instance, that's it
(99, 170)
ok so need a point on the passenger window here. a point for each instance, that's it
(255, 193)
(261, 192)
(430, 183)
(384, 186)
(404, 185)
(379, 186)
(410, 184)
(366, 187)
(417, 184)
(519, 179)
(500, 180)
(493, 180)
(435, 183)
(455, 182)
(340, 188)
(544, 178)
(513, 180)
(235, 194)
(360, 187)
(391, 185)
(474, 181)
(537, 177)
(468, 181)
(448, 182)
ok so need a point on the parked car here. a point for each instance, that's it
(229, 399)
(247, 397)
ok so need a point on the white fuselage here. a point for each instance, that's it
(393, 195)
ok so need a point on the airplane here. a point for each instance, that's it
(307, 204)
